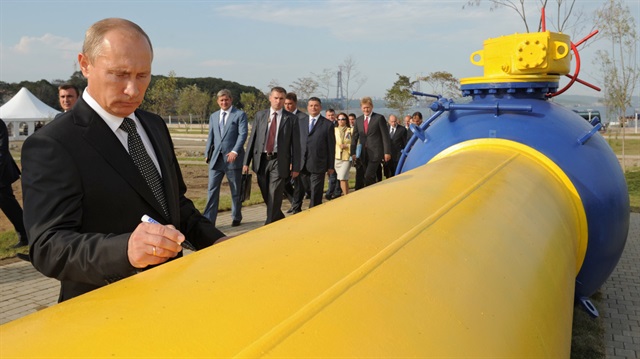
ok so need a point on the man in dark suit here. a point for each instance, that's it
(398, 137)
(9, 173)
(372, 132)
(225, 153)
(90, 175)
(274, 151)
(293, 189)
(319, 155)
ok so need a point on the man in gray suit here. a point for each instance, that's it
(225, 154)
(274, 148)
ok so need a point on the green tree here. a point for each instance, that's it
(252, 103)
(399, 96)
(443, 83)
(618, 68)
(194, 102)
(78, 79)
(161, 97)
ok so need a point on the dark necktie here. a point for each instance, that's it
(224, 114)
(142, 160)
(393, 130)
(271, 139)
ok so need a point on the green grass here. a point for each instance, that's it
(631, 145)
(633, 185)
(7, 240)
(587, 340)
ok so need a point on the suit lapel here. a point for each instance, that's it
(282, 125)
(314, 126)
(100, 136)
(164, 153)
(215, 122)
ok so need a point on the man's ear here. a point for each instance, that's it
(83, 61)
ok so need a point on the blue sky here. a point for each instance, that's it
(255, 42)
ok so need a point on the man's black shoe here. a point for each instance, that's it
(328, 197)
(235, 223)
(290, 210)
(297, 211)
(24, 257)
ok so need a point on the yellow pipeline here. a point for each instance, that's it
(471, 255)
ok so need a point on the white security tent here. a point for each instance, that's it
(23, 112)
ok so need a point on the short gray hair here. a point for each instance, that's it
(224, 92)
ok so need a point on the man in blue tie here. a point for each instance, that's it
(319, 154)
(225, 154)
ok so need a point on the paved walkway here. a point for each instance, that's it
(23, 290)
(621, 300)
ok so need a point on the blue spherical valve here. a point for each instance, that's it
(522, 113)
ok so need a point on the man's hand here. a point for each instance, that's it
(354, 158)
(245, 169)
(330, 171)
(152, 243)
(387, 157)
(294, 174)
(231, 157)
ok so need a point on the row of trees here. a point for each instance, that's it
(192, 98)
(172, 95)
(441, 83)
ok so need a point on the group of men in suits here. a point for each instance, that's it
(301, 149)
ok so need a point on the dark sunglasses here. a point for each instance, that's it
(342, 119)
